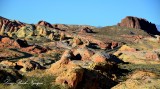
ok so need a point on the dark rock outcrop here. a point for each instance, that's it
(139, 23)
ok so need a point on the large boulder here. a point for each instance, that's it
(83, 53)
(76, 41)
(72, 77)
(7, 40)
(67, 56)
(20, 43)
(25, 31)
(139, 23)
(41, 30)
(66, 71)
(51, 36)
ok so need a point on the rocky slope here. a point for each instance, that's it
(79, 56)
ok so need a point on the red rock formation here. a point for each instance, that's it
(66, 71)
(22, 44)
(44, 23)
(8, 42)
(10, 25)
(139, 23)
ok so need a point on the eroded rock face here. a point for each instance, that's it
(9, 25)
(139, 23)
(44, 23)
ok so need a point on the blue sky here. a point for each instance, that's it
(88, 12)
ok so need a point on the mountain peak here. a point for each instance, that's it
(139, 23)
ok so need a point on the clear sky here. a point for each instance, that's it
(88, 12)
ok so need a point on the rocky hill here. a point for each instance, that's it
(139, 23)
(61, 56)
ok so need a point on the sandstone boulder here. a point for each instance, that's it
(7, 40)
(83, 53)
(51, 36)
(66, 71)
(62, 36)
(76, 41)
(25, 31)
(100, 57)
(72, 77)
(67, 56)
(44, 23)
(41, 30)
